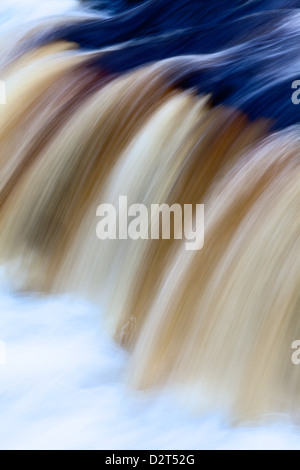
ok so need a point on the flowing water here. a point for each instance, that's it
(65, 382)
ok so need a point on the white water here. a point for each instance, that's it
(11, 11)
(64, 382)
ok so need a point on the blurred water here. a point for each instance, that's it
(64, 381)
(63, 386)
(12, 11)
